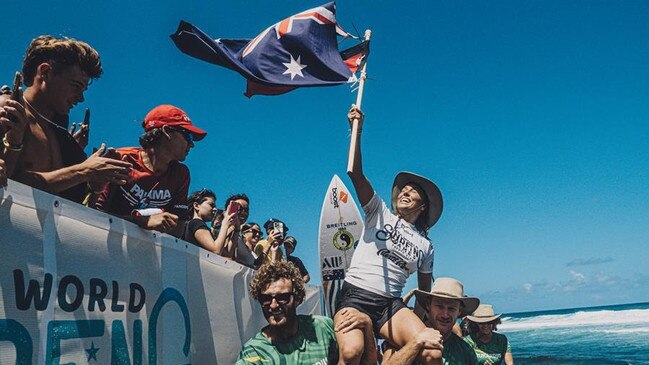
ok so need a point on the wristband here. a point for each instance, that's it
(11, 147)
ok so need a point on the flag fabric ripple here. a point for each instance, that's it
(299, 51)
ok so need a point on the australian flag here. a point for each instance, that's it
(299, 51)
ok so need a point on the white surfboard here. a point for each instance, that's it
(341, 226)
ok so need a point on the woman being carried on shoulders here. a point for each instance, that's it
(394, 245)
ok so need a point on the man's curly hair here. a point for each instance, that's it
(274, 271)
(60, 53)
(150, 138)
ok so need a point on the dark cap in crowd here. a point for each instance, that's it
(290, 240)
(269, 224)
(171, 116)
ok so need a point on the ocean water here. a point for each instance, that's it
(617, 334)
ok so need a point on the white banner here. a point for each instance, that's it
(81, 287)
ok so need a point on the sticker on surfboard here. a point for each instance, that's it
(341, 226)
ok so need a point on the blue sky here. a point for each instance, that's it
(531, 116)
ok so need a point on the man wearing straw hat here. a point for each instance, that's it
(439, 310)
(490, 347)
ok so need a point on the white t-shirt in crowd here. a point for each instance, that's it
(390, 249)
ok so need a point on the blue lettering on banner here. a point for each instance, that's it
(168, 295)
(70, 294)
(65, 330)
(14, 332)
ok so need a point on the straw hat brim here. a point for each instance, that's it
(434, 195)
(483, 319)
(470, 304)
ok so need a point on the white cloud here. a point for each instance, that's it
(574, 289)
(590, 261)
(527, 287)
(578, 277)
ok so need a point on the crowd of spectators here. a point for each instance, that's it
(148, 185)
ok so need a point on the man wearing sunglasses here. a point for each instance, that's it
(155, 195)
(289, 338)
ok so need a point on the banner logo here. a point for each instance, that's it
(30, 295)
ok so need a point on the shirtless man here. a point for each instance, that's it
(38, 149)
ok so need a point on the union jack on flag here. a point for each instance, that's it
(299, 51)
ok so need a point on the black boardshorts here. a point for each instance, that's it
(380, 309)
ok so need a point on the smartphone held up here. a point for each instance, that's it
(234, 208)
(17, 92)
(279, 227)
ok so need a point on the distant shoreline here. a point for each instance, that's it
(577, 309)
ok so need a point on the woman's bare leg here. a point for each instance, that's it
(350, 344)
(403, 327)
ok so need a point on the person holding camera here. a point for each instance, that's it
(216, 222)
(201, 209)
(229, 239)
(37, 148)
(270, 248)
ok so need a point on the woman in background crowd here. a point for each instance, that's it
(270, 249)
(235, 215)
(201, 209)
(245, 254)
(491, 348)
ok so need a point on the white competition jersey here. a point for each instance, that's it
(390, 249)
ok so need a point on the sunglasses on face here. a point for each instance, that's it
(282, 298)
(255, 232)
(188, 136)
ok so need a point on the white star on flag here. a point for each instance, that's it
(294, 67)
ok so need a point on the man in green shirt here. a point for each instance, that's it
(490, 347)
(289, 338)
(439, 310)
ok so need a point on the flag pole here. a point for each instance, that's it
(359, 99)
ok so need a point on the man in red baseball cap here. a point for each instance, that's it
(172, 116)
(156, 194)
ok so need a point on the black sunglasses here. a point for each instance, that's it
(281, 298)
(255, 232)
(188, 136)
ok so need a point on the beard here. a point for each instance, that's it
(281, 317)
